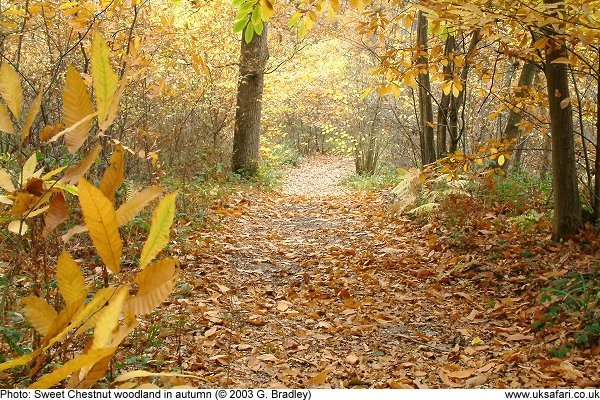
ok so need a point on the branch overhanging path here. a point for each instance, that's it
(315, 286)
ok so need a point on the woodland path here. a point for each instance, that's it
(314, 287)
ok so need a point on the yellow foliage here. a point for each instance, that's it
(101, 220)
(162, 219)
(70, 279)
(39, 313)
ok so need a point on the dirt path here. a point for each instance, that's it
(318, 176)
(300, 289)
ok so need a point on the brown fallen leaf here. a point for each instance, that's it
(518, 336)
(476, 380)
(319, 378)
(352, 358)
(461, 373)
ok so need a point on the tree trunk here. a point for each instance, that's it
(425, 106)
(511, 132)
(567, 208)
(442, 116)
(246, 133)
(457, 102)
(596, 194)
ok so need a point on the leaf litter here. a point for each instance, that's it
(316, 286)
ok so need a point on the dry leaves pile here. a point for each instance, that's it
(329, 292)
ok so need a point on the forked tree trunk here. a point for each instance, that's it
(441, 135)
(511, 131)
(246, 133)
(425, 107)
(567, 208)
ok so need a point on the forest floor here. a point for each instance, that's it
(315, 286)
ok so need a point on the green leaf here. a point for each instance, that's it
(249, 33)
(241, 24)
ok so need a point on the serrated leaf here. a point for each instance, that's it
(6, 182)
(6, 124)
(155, 284)
(129, 210)
(10, 89)
(95, 373)
(85, 360)
(77, 105)
(105, 79)
(61, 325)
(162, 219)
(39, 313)
(73, 174)
(32, 113)
(101, 220)
(70, 279)
(108, 318)
(57, 213)
(90, 314)
(114, 176)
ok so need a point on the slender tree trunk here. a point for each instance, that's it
(457, 102)
(425, 106)
(246, 133)
(567, 208)
(596, 195)
(442, 116)
(511, 132)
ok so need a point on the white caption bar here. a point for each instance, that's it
(301, 394)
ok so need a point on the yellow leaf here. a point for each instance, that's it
(81, 380)
(129, 210)
(39, 313)
(108, 318)
(565, 102)
(17, 362)
(56, 215)
(85, 360)
(162, 219)
(10, 89)
(114, 176)
(501, 160)
(6, 124)
(155, 284)
(28, 168)
(60, 327)
(33, 111)
(73, 174)
(6, 182)
(77, 105)
(72, 128)
(320, 378)
(89, 315)
(70, 279)
(101, 220)
(105, 79)
(18, 227)
(447, 87)
(562, 60)
(77, 229)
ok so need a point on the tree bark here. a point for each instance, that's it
(596, 194)
(567, 208)
(442, 116)
(457, 102)
(511, 132)
(425, 107)
(246, 133)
